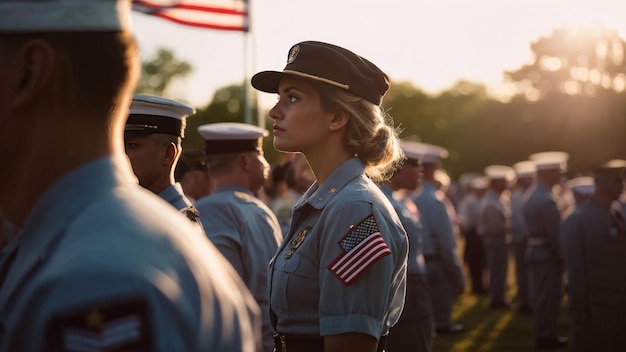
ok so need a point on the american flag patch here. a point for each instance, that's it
(363, 246)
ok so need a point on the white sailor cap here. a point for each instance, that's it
(413, 150)
(150, 114)
(550, 160)
(427, 153)
(582, 185)
(232, 137)
(23, 16)
(526, 168)
(500, 172)
(481, 182)
(467, 177)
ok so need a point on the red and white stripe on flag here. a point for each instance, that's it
(231, 15)
(363, 246)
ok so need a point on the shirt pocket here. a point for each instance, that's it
(294, 288)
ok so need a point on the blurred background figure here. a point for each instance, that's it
(193, 174)
(594, 246)
(282, 199)
(543, 256)
(414, 330)
(525, 173)
(494, 220)
(444, 192)
(445, 273)
(576, 191)
(240, 225)
(474, 251)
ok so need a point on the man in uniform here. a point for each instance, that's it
(413, 332)
(594, 246)
(543, 256)
(240, 225)
(525, 172)
(99, 263)
(474, 252)
(153, 139)
(577, 190)
(493, 228)
(445, 273)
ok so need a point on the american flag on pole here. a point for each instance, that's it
(363, 246)
(230, 15)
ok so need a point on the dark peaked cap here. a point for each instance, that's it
(332, 65)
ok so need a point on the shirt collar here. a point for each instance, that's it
(318, 197)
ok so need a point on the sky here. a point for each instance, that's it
(430, 43)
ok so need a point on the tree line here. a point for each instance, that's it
(571, 97)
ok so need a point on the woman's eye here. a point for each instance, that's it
(292, 98)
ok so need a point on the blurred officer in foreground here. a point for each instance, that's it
(193, 174)
(414, 330)
(525, 172)
(100, 263)
(445, 274)
(474, 251)
(153, 141)
(493, 228)
(543, 256)
(240, 225)
(594, 244)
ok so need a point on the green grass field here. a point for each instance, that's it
(488, 330)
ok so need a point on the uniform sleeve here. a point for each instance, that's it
(363, 303)
(574, 253)
(443, 234)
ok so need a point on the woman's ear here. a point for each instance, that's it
(32, 70)
(339, 121)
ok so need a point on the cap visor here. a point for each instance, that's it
(267, 81)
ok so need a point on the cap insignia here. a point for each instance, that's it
(293, 54)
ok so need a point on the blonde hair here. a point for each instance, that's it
(370, 132)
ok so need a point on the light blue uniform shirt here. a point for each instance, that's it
(247, 233)
(438, 234)
(174, 195)
(99, 253)
(542, 220)
(413, 227)
(519, 230)
(306, 296)
(492, 219)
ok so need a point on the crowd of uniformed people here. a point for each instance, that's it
(116, 239)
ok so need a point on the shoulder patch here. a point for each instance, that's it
(110, 327)
(362, 246)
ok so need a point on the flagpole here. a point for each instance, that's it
(247, 92)
(246, 74)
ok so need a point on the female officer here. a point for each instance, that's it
(337, 282)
